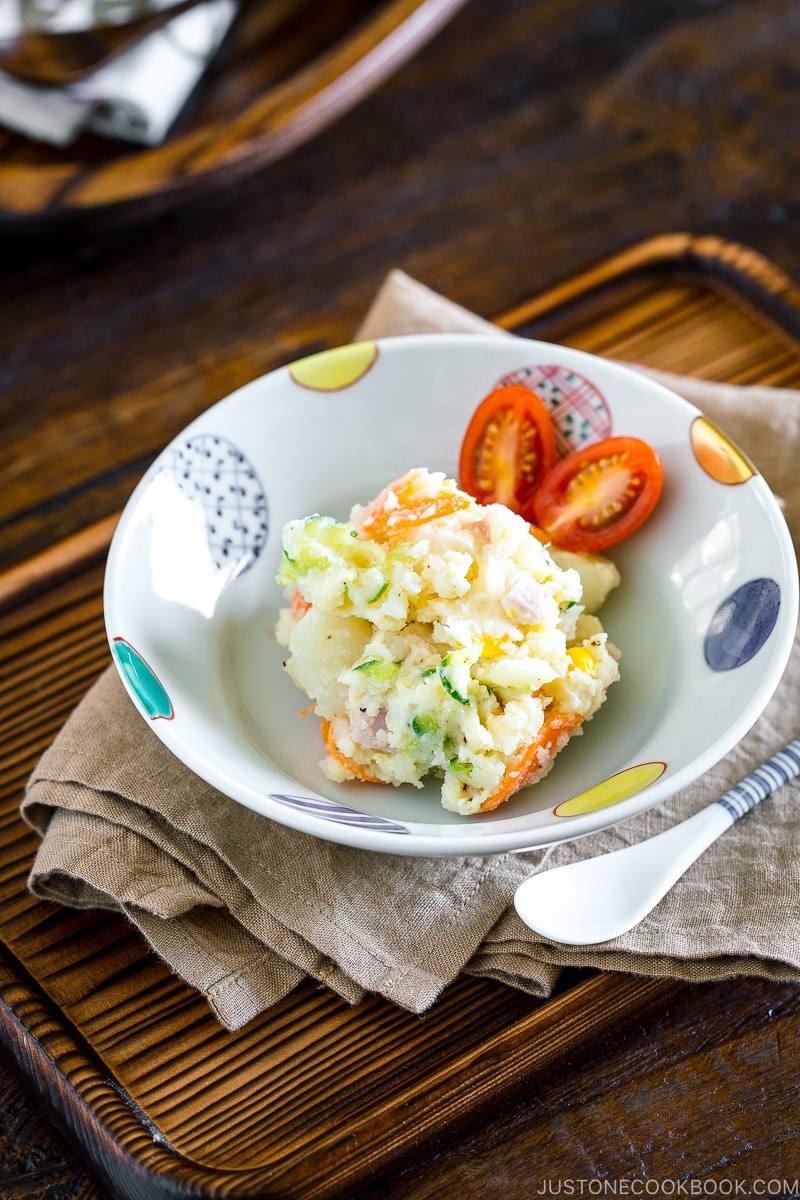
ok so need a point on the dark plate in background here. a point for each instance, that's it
(288, 69)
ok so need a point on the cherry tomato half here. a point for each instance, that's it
(508, 448)
(599, 495)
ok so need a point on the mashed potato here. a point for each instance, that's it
(437, 635)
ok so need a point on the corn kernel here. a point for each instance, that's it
(583, 659)
(491, 647)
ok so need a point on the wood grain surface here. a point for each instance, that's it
(525, 143)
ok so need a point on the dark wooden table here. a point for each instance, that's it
(528, 140)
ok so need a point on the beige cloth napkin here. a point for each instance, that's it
(243, 909)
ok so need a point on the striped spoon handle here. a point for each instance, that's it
(762, 781)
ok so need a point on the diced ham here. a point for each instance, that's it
(528, 601)
(364, 729)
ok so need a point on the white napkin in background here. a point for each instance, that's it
(68, 16)
(136, 97)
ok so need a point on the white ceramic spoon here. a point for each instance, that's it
(600, 898)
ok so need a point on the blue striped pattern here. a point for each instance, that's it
(329, 811)
(762, 782)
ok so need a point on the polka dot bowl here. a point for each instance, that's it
(704, 617)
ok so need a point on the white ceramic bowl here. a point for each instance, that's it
(704, 618)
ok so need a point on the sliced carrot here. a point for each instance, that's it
(541, 535)
(398, 510)
(299, 604)
(535, 759)
(349, 765)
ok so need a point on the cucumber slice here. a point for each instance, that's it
(455, 676)
(380, 592)
(379, 670)
(424, 724)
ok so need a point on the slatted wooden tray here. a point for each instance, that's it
(315, 1099)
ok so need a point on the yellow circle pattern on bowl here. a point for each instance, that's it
(333, 370)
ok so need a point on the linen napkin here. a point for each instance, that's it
(135, 97)
(243, 909)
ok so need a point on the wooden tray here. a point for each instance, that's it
(315, 1099)
(288, 69)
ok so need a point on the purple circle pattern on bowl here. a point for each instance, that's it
(330, 811)
(742, 624)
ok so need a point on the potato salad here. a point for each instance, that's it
(437, 636)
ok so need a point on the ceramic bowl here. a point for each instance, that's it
(704, 617)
